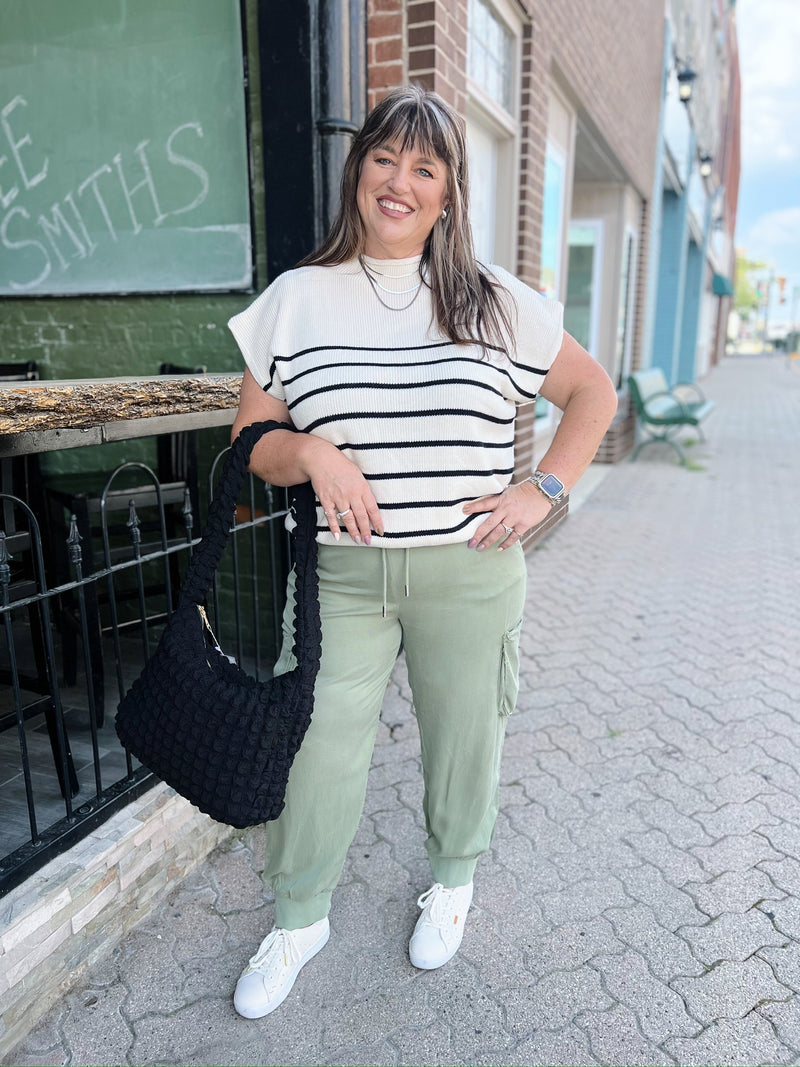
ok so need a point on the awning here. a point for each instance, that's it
(722, 286)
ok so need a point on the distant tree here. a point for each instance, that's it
(746, 298)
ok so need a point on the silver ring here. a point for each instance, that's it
(341, 514)
(508, 529)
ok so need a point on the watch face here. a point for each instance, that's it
(551, 485)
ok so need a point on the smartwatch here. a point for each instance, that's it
(550, 486)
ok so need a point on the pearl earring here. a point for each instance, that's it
(444, 212)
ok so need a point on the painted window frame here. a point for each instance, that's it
(504, 127)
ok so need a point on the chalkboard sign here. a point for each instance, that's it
(123, 147)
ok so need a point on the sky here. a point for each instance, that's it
(768, 222)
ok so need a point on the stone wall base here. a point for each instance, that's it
(75, 911)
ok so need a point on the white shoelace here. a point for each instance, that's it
(278, 951)
(441, 903)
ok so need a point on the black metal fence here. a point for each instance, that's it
(83, 599)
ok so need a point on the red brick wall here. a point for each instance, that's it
(533, 114)
(610, 57)
(586, 46)
(386, 47)
(437, 48)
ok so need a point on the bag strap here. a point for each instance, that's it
(206, 557)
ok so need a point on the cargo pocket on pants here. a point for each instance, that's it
(508, 689)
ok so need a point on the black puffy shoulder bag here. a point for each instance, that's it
(220, 738)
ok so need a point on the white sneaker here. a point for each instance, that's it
(437, 935)
(268, 978)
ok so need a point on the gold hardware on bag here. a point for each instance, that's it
(204, 617)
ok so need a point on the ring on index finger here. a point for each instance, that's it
(341, 514)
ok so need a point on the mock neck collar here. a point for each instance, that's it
(393, 268)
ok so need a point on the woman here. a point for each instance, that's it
(402, 360)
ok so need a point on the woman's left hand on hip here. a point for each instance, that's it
(509, 515)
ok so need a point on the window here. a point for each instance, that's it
(493, 129)
(490, 54)
(483, 165)
(559, 163)
(552, 221)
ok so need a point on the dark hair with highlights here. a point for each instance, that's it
(469, 305)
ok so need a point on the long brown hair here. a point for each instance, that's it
(469, 305)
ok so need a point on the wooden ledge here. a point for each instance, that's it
(83, 403)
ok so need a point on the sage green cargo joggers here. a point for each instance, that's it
(458, 614)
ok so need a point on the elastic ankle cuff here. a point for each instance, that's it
(295, 914)
(452, 872)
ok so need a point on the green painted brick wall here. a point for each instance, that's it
(106, 338)
(99, 337)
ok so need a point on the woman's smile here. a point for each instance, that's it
(393, 207)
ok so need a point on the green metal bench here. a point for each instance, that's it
(662, 412)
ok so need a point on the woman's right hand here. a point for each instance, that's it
(287, 458)
(342, 490)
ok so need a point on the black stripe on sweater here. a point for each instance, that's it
(394, 385)
(472, 361)
(521, 391)
(439, 474)
(531, 370)
(419, 533)
(421, 413)
(363, 348)
(407, 505)
(423, 444)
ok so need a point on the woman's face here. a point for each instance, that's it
(400, 197)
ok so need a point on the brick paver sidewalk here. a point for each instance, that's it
(641, 904)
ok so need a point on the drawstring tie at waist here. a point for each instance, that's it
(406, 576)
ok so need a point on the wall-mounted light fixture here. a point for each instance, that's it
(686, 80)
(706, 165)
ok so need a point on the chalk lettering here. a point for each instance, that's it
(12, 245)
(92, 181)
(90, 244)
(15, 146)
(190, 165)
(52, 229)
(48, 244)
(7, 199)
(146, 183)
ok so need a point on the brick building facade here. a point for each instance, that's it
(571, 118)
(570, 136)
(696, 189)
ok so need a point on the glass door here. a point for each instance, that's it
(584, 274)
